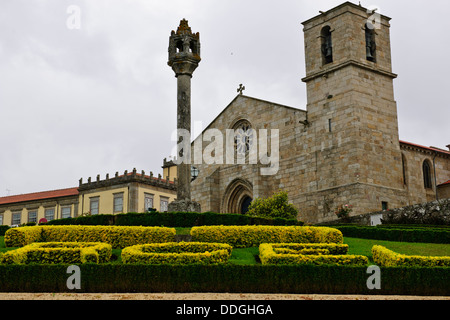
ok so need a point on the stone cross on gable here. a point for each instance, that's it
(241, 88)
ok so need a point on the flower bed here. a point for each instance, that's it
(177, 253)
(59, 252)
(280, 253)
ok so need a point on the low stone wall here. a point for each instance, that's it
(436, 212)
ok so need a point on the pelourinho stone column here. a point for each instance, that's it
(184, 57)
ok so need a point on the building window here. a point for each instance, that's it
(329, 125)
(244, 137)
(148, 202)
(66, 212)
(384, 206)
(50, 214)
(94, 205)
(16, 218)
(326, 45)
(118, 202)
(163, 204)
(32, 216)
(370, 43)
(427, 175)
(1, 220)
(404, 168)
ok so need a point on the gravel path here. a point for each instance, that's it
(199, 296)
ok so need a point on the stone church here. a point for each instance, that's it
(344, 148)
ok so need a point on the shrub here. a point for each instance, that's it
(19, 237)
(173, 219)
(116, 236)
(59, 252)
(268, 255)
(276, 206)
(311, 248)
(177, 253)
(398, 233)
(388, 258)
(292, 279)
(253, 236)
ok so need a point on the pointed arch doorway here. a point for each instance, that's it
(238, 196)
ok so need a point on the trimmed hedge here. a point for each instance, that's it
(397, 233)
(59, 252)
(316, 256)
(116, 236)
(388, 258)
(174, 219)
(295, 279)
(253, 236)
(300, 248)
(177, 253)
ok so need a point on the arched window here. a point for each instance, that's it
(244, 136)
(426, 168)
(370, 43)
(405, 170)
(326, 45)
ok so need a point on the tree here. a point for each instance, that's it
(276, 206)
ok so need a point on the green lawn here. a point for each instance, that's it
(364, 247)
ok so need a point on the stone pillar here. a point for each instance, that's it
(184, 122)
(184, 56)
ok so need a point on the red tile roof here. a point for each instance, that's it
(427, 148)
(444, 184)
(39, 195)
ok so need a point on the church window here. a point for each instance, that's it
(244, 136)
(404, 170)
(326, 45)
(370, 43)
(426, 168)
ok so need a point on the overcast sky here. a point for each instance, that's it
(75, 103)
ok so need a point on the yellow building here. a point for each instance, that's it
(129, 192)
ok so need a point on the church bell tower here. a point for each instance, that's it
(352, 113)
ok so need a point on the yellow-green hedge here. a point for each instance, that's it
(310, 248)
(268, 255)
(253, 236)
(388, 258)
(59, 252)
(177, 253)
(116, 236)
